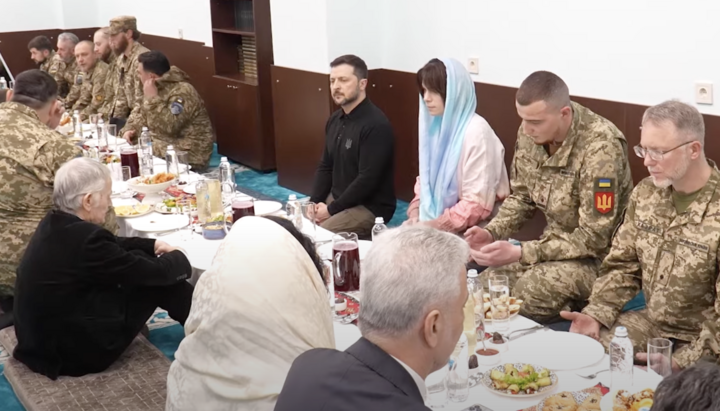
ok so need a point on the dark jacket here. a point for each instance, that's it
(362, 378)
(73, 295)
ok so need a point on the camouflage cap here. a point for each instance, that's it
(122, 24)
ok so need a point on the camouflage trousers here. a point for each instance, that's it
(640, 330)
(550, 287)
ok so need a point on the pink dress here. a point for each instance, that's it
(482, 180)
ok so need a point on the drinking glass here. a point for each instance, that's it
(500, 302)
(111, 135)
(183, 160)
(659, 359)
(307, 213)
(126, 175)
(242, 206)
(129, 158)
(185, 208)
(346, 262)
(437, 391)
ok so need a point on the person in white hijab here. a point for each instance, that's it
(261, 304)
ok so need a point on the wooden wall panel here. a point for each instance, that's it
(301, 106)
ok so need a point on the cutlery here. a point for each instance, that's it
(524, 331)
(591, 376)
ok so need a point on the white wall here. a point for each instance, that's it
(356, 27)
(26, 15)
(300, 34)
(78, 14)
(162, 17)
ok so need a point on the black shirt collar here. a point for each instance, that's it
(357, 111)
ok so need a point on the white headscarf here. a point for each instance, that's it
(260, 305)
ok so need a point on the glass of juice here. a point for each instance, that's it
(129, 158)
(242, 206)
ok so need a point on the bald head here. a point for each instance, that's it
(102, 44)
(85, 55)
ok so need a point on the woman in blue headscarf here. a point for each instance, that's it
(462, 167)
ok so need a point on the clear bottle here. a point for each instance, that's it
(146, 152)
(475, 291)
(469, 321)
(171, 160)
(379, 227)
(77, 124)
(293, 211)
(227, 179)
(457, 379)
(3, 83)
(621, 360)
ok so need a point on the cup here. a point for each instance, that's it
(183, 160)
(242, 206)
(129, 158)
(499, 289)
(346, 262)
(307, 213)
(126, 175)
(436, 383)
(185, 208)
(659, 356)
(111, 135)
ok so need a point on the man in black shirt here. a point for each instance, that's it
(355, 180)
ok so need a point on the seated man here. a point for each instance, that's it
(668, 245)
(82, 294)
(572, 165)
(92, 79)
(172, 110)
(695, 388)
(355, 179)
(42, 53)
(68, 70)
(413, 292)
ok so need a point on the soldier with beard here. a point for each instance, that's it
(354, 182)
(42, 53)
(103, 49)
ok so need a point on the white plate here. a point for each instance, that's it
(579, 396)
(559, 350)
(148, 211)
(641, 380)
(159, 223)
(606, 404)
(266, 207)
(325, 250)
(190, 189)
(487, 382)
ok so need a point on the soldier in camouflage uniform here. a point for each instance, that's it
(127, 88)
(42, 53)
(30, 153)
(668, 245)
(93, 74)
(67, 73)
(104, 50)
(173, 111)
(572, 165)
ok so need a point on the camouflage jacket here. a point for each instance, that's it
(51, 64)
(674, 259)
(177, 116)
(67, 79)
(129, 89)
(30, 154)
(111, 84)
(582, 189)
(92, 90)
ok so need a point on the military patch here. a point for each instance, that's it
(177, 107)
(567, 173)
(79, 79)
(99, 97)
(604, 195)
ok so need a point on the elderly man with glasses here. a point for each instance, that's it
(668, 246)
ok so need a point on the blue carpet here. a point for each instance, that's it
(167, 339)
(7, 396)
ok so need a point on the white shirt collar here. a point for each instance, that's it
(416, 377)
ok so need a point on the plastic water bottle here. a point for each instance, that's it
(146, 155)
(457, 379)
(293, 211)
(227, 179)
(77, 124)
(172, 162)
(3, 83)
(621, 360)
(379, 227)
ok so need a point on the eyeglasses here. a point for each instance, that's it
(656, 155)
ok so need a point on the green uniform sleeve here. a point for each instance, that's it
(620, 273)
(518, 208)
(170, 116)
(51, 156)
(604, 160)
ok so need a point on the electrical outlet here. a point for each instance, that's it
(474, 65)
(180, 34)
(704, 93)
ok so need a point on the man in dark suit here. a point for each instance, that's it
(413, 292)
(82, 294)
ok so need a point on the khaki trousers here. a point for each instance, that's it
(357, 220)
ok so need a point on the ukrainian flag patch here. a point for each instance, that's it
(604, 183)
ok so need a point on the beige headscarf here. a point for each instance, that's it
(260, 305)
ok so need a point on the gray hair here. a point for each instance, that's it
(76, 178)
(409, 271)
(69, 37)
(687, 119)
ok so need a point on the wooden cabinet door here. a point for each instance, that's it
(236, 121)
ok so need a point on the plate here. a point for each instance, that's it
(487, 382)
(190, 189)
(266, 207)
(559, 350)
(580, 397)
(161, 223)
(149, 188)
(325, 250)
(606, 404)
(139, 208)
